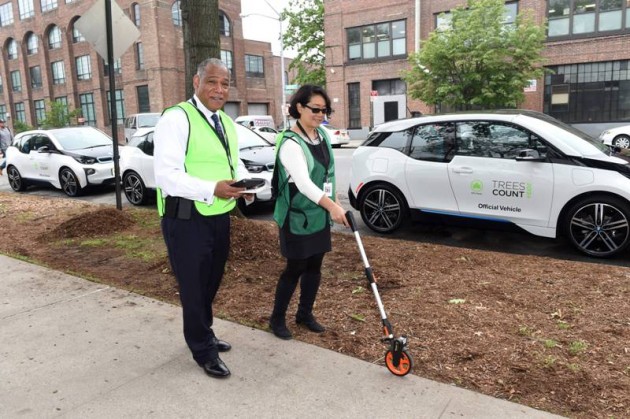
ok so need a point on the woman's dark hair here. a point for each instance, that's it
(304, 95)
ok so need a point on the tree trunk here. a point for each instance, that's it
(200, 24)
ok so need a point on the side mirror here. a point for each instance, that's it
(43, 149)
(528, 154)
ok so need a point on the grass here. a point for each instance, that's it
(577, 347)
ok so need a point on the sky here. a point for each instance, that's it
(261, 28)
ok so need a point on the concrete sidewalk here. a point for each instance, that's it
(76, 349)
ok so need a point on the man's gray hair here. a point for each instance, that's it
(201, 68)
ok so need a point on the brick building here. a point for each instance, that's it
(587, 47)
(44, 59)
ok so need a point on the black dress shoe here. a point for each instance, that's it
(222, 346)
(215, 368)
(310, 323)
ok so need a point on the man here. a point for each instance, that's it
(5, 141)
(196, 157)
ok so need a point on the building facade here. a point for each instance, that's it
(45, 59)
(587, 50)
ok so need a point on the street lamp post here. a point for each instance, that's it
(283, 97)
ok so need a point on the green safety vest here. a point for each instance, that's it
(206, 157)
(307, 217)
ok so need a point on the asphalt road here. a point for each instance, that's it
(510, 242)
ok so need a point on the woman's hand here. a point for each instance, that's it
(338, 215)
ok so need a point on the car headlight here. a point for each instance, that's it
(254, 168)
(84, 159)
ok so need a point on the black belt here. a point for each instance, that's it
(177, 207)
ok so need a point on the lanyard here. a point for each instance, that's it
(225, 143)
(325, 154)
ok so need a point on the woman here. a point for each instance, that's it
(305, 205)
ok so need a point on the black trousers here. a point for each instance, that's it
(198, 249)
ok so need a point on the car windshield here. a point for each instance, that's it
(148, 120)
(248, 138)
(78, 138)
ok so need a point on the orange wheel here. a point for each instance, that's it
(404, 365)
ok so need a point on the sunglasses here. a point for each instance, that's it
(325, 111)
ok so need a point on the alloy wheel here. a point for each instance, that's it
(382, 210)
(599, 229)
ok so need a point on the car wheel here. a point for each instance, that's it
(69, 183)
(599, 226)
(383, 209)
(15, 179)
(135, 190)
(622, 141)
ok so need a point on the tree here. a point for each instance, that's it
(200, 26)
(305, 33)
(59, 115)
(479, 61)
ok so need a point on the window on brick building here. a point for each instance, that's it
(64, 101)
(382, 40)
(588, 92)
(58, 72)
(389, 87)
(135, 9)
(12, 49)
(254, 66)
(142, 93)
(354, 105)
(26, 9)
(36, 76)
(84, 67)
(120, 106)
(443, 20)
(176, 14)
(40, 111)
(224, 24)
(87, 108)
(20, 112)
(227, 58)
(581, 18)
(3, 112)
(32, 44)
(139, 56)
(1, 88)
(54, 38)
(117, 67)
(48, 5)
(16, 81)
(76, 35)
(6, 14)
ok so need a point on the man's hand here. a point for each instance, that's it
(225, 190)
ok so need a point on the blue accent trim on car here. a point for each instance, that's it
(454, 214)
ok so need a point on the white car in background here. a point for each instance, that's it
(338, 137)
(69, 159)
(513, 167)
(257, 159)
(267, 133)
(616, 137)
(137, 121)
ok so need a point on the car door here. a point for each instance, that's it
(490, 181)
(426, 169)
(146, 161)
(43, 159)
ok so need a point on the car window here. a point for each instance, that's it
(78, 138)
(396, 140)
(148, 120)
(248, 138)
(433, 142)
(40, 141)
(496, 140)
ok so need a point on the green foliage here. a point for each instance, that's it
(577, 347)
(305, 34)
(478, 62)
(58, 115)
(19, 126)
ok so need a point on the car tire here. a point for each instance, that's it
(135, 189)
(383, 208)
(69, 183)
(17, 183)
(598, 226)
(622, 141)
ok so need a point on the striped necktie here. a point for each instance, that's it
(217, 126)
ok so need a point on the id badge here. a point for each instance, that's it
(328, 189)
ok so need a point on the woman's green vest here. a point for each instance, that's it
(206, 157)
(306, 217)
